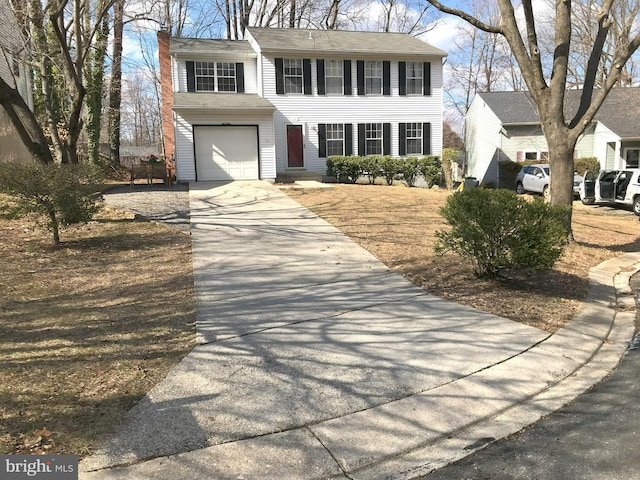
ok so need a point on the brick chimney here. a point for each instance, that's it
(166, 91)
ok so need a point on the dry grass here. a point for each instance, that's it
(397, 225)
(88, 327)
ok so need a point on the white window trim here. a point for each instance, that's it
(341, 77)
(419, 128)
(333, 140)
(367, 77)
(215, 77)
(286, 76)
(379, 139)
(420, 77)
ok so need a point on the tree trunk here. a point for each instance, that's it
(115, 87)
(95, 88)
(561, 147)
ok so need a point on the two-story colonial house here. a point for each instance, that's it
(283, 100)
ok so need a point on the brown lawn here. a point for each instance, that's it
(397, 225)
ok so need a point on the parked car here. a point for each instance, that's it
(535, 178)
(621, 187)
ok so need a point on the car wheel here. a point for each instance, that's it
(519, 188)
(588, 201)
(636, 205)
(545, 192)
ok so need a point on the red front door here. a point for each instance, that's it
(295, 157)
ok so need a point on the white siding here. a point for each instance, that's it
(482, 141)
(601, 137)
(585, 144)
(310, 110)
(180, 72)
(523, 139)
(185, 161)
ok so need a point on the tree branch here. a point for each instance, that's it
(467, 17)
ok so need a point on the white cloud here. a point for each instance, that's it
(444, 33)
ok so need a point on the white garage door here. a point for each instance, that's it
(226, 153)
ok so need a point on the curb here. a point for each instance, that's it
(610, 296)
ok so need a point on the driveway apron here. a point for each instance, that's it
(298, 326)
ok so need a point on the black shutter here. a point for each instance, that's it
(346, 70)
(191, 76)
(279, 76)
(306, 74)
(322, 140)
(362, 141)
(386, 139)
(402, 78)
(386, 78)
(402, 147)
(360, 80)
(348, 139)
(426, 69)
(426, 139)
(320, 76)
(240, 77)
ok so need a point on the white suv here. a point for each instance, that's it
(612, 186)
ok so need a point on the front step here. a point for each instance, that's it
(292, 177)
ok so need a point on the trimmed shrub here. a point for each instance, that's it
(59, 195)
(371, 167)
(390, 167)
(409, 168)
(583, 164)
(431, 169)
(345, 169)
(497, 229)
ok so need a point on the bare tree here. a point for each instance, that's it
(547, 88)
(115, 85)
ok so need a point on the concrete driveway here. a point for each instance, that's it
(314, 360)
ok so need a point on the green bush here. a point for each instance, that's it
(431, 169)
(60, 195)
(409, 168)
(390, 167)
(345, 168)
(497, 229)
(371, 167)
(583, 164)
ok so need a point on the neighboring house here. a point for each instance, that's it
(281, 101)
(502, 126)
(15, 72)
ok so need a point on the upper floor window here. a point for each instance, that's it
(293, 76)
(334, 77)
(226, 72)
(414, 78)
(205, 76)
(215, 77)
(373, 78)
